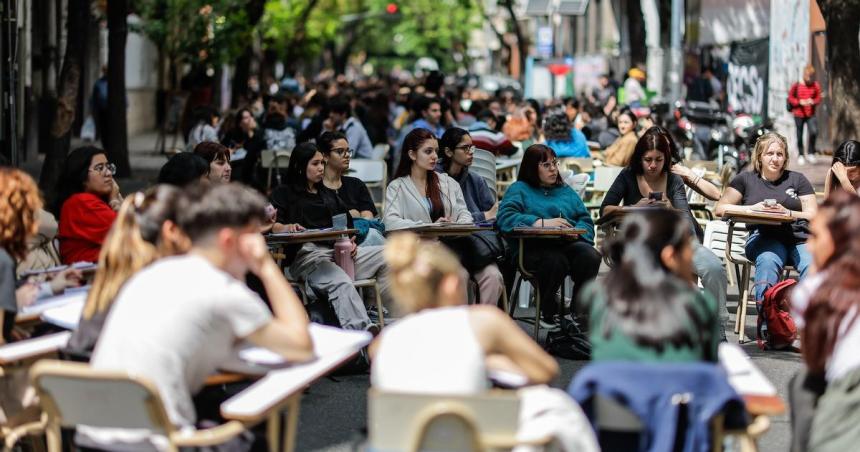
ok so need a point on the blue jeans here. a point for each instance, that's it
(770, 257)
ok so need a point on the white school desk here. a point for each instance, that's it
(33, 348)
(282, 388)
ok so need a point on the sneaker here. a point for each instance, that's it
(801, 160)
(550, 322)
(811, 159)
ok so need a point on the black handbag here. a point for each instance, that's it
(478, 250)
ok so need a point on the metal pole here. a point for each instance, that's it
(675, 51)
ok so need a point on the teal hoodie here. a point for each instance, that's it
(524, 204)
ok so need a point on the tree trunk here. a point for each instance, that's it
(636, 32)
(522, 43)
(117, 136)
(842, 18)
(254, 9)
(57, 147)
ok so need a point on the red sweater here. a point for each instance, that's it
(800, 91)
(85, 220)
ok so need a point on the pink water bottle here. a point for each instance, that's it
(343, 256)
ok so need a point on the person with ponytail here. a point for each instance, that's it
(648, 308)
(145, 229)
(419, 195)
(444, 346)
(825, 307)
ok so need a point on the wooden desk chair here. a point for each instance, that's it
(577, 164)
(73, 394)
(274, 161)
(413, 422)
(505, 177)
(374, 174)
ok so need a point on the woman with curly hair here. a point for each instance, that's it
(565, 140)
(19, 212)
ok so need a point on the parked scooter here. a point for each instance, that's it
(746, 133)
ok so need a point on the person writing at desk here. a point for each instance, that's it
(539, 198)
(444, 346)
(306, 203)
(845, 170)
(772, 187)
(419, 196)
(648, 176)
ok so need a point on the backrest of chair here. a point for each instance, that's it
(578, 182)
(270, 158)
(484, 165)
(380, 151)
(716, 235)
(604, 176)
(401, 421)
(75, 394)
(369, 171)
(577, 164)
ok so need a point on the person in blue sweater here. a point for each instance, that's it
(456, 153)
(540, 198)
(563, 139)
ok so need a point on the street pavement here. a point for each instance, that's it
(334, 410)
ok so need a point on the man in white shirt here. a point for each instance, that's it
(177, 320)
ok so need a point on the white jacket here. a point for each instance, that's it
(405, 209)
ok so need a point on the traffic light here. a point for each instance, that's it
(391, 8)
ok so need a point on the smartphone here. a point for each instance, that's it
(656, 195)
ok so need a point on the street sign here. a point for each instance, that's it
(544, 41)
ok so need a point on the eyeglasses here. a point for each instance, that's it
(101, 167)
(467, 149)
(549, 165)
(341, 152)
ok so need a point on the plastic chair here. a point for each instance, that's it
(73, 394)
(374, 174)
(484, 165)
(412, 422)
(273, 160)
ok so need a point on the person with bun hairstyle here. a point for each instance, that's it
(145, 230)
(845, 169)
(444, 346)
(648, 308)
(419, 195)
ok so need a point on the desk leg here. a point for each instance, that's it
(289, 444)
(273, 431)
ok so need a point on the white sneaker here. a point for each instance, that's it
(811, 159)
(801, 161)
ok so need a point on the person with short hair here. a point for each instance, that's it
(540, 198)
(419, 195)
(485, 135)
(279, 130)
(845, 169)
(218, 157)
(773, 247)
(648, 308)
(430, 111)
(444, 346)
(87, 201)
(341, 119)
(184, 169)
(177, 320)
(804, 97)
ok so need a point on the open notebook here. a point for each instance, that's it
(70, 296)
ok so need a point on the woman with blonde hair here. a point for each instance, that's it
(145, 230)
(444, 346)
(772, 187)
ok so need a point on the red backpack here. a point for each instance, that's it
(779, 330)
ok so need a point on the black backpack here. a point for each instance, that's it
(788, 107)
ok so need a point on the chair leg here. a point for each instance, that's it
(743, 306)
(537, 311)
(512, 306)
(379, 307)
(289, 442)
(52, 434)
(505, 301)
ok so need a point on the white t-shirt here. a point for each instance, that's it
(433, 351)
(845, 357)
(174, 323)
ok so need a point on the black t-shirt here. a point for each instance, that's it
(786, 190)
(311, 210)
(355, 195)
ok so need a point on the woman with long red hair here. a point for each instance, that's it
(419, 195)
(825, 397)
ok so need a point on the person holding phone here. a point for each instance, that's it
(771, 247)
(648, 182)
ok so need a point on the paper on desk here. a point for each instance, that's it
(743, 374)
(70, 296)
(327, 340)
(67, 316)
(33, 347)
